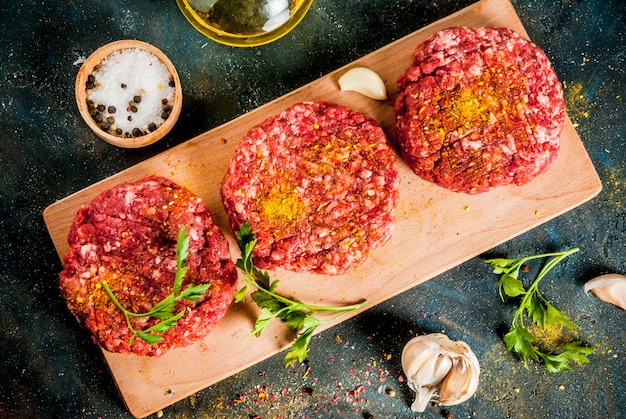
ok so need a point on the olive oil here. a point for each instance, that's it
(245, 17)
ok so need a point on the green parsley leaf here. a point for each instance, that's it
(150, 338)
(268, 302)
(555, 317)
(193, 292)
(537, 312)
(511, 286)
(295, 314)
(534, 306)
(262, 321)
(519, 340)
(560, 362)
(241, 294)
(166, 324)
(299, 349)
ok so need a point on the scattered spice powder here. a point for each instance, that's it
(576, 102)
(494, 98)
(552, 339)
(304, 394)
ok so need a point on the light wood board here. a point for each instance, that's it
(435, 231)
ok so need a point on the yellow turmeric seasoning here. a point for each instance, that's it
(476, 104)
(281, 205)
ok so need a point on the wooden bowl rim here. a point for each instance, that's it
(81, 95)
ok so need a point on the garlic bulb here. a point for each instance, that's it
(610, 288)
(365, 81)
(433, 363)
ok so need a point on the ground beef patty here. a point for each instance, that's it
(127, 236)
(318, 184)
(479, 108)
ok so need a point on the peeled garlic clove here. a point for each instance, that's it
(419, 353)
(435, 363)
(461, 383)
(610, 288)
(365, 81)
(434, 370)
(442, 368)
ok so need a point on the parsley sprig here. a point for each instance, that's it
(295, 314)
(164, 309)
(535, 306)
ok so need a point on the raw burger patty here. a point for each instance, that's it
(479, 108)
(127, 236)
(318, 184)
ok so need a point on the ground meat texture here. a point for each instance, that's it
(479, 108)
(127, 237)
(318, 184)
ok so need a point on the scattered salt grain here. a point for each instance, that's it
(136, 86)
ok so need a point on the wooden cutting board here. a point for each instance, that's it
(436, 230)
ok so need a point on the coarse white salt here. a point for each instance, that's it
(132, 94)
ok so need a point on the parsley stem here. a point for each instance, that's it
(121, 307)
(533, 290)
(127, 314)
(296, 305)
(116, 301)
(557, 256)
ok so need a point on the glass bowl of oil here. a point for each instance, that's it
(244, 23)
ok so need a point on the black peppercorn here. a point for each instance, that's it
(152, 126)
(101, 107)
(111, 109)
(136, 132)
(137, 99)
(91, 82)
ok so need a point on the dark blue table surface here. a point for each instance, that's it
(50, 369)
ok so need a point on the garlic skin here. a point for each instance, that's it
(365, 81)
(610, 288)
(435, 364)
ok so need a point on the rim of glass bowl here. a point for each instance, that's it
(239, 40)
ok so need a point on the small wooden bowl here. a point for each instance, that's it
(95, 59)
